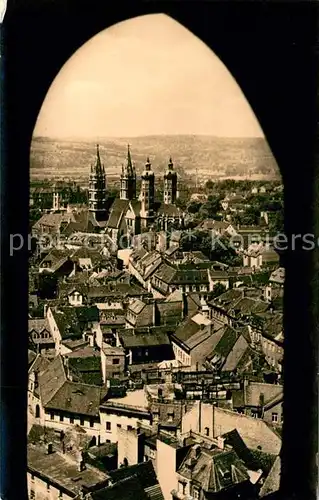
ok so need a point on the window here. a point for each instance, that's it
(91, 422)
(32, 494)
(195, 493)
(48, 486)
(108, 426)
(32, 477)
(206, 431)
(274, 417)
(170, 416)
(81, 421)
(129, 428)
(52, 415)
(119, 426)
(71, 420)
(61, 418)
(181, 487)
(116, 361)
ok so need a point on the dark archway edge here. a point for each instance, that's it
(271, 49)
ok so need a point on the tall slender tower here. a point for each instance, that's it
(147, 191)
(128, 179)
(170, 184)
(97, 189)
(56, 205)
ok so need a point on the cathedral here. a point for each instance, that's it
(130, 214)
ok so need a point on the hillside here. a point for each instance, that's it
(212, 157)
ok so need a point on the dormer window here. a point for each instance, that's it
(195, 493)
(170, 416)
(181, 487)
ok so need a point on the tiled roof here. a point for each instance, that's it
(126, 489)
(62, 471)
(136, 306)
(165, 273)
(53, 220)
(209, 469)
(153, 338)
(38, 324)
(272, 481)
(255, 389)
(86, 365)
(55, 256)
(118, 209)
(144, 472)
(51, 380)
(56, 392)
(247, 305)
(236, 354)
(227, 342)
(78, 398)
(40, 364)
(72, 321)
(31, 357)
(168, 210)
(186, 330)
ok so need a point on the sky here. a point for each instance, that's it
(145, 76)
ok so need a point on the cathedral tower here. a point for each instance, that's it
(147, 191)
(170, 184)
(128, 179)
(97, 189)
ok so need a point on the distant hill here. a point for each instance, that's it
(211, 157)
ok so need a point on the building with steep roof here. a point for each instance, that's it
(213, 473)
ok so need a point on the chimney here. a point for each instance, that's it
(49, 448)
(154, 313)
(261, 399)
(66, 365)
(221, 442)
(185, 305)
(243, 293)
(197, 450)
(45, 310)
(81, 466)
(91, 339)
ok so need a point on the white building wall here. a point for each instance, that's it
(55, 332)
(123, 421)
(41, 490)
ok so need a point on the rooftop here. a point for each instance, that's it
(62, 470)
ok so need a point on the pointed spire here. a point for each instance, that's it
(98, 166)
(129, 161)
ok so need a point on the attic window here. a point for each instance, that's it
(196, 493)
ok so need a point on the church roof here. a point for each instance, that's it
(118, 210)
(168, 210)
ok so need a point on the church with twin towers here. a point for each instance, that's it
(132, 214)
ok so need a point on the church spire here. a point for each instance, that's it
(128, 178)
(170, 184)
(98, 166)
(97, 188)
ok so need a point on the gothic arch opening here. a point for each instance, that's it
(37, 411)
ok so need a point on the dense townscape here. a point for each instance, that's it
(155, 337)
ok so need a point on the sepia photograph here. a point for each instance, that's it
(156, 277)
